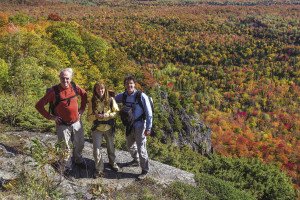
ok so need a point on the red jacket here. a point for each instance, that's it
(67, 111)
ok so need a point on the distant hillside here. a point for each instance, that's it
(156, 2)
(184, 2)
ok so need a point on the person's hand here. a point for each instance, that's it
(147, 132)
(100, 116)
(105, 115)
(57, 119)
(80, 113)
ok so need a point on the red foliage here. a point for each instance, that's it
(149, 80)
(288, 126)
(54, 17)
(290, 166)
(242, 114)
(170, 85)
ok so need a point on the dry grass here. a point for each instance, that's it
(143, 189)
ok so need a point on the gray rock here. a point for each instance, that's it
(6, 152)
(193, 133)
(80, 182)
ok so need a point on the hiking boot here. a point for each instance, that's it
(67, 174)
(98, 174)
(62, 166)
(143, 175)
(134, 163)
(114, 167)
(81, 165)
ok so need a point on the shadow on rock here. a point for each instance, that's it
(128, 164)
(9, 149)
(85, 170)
(111, 174)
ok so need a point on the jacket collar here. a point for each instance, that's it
(134, 92)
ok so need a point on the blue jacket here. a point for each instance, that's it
(138, 111)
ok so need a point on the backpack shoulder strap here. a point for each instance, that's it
(124, 97)
(74, 88)
(138, 98)
(56, 101)
(111, 103)
(57, 96)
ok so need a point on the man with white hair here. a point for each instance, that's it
(65, 111)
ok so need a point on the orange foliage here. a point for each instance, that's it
(3, 19)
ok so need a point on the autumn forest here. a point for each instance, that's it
(235, 67)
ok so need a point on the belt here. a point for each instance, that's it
(68, 123)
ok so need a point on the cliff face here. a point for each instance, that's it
(20, 158)
(195, 133)
(190, 129)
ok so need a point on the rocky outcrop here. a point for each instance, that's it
(192, 132)
(195, 133)
(14, 160)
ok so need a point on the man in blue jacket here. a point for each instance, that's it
(141, 125)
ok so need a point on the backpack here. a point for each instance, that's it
(53, 104)
(126, 113)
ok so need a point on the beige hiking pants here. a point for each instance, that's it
(71, 138)
(97, 141)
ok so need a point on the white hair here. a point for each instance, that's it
(70, 70)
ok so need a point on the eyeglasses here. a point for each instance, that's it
(64, 78)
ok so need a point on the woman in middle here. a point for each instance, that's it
(101, 111)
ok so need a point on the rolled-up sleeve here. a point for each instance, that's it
(115, 109)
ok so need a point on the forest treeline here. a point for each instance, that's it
(236, 69)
